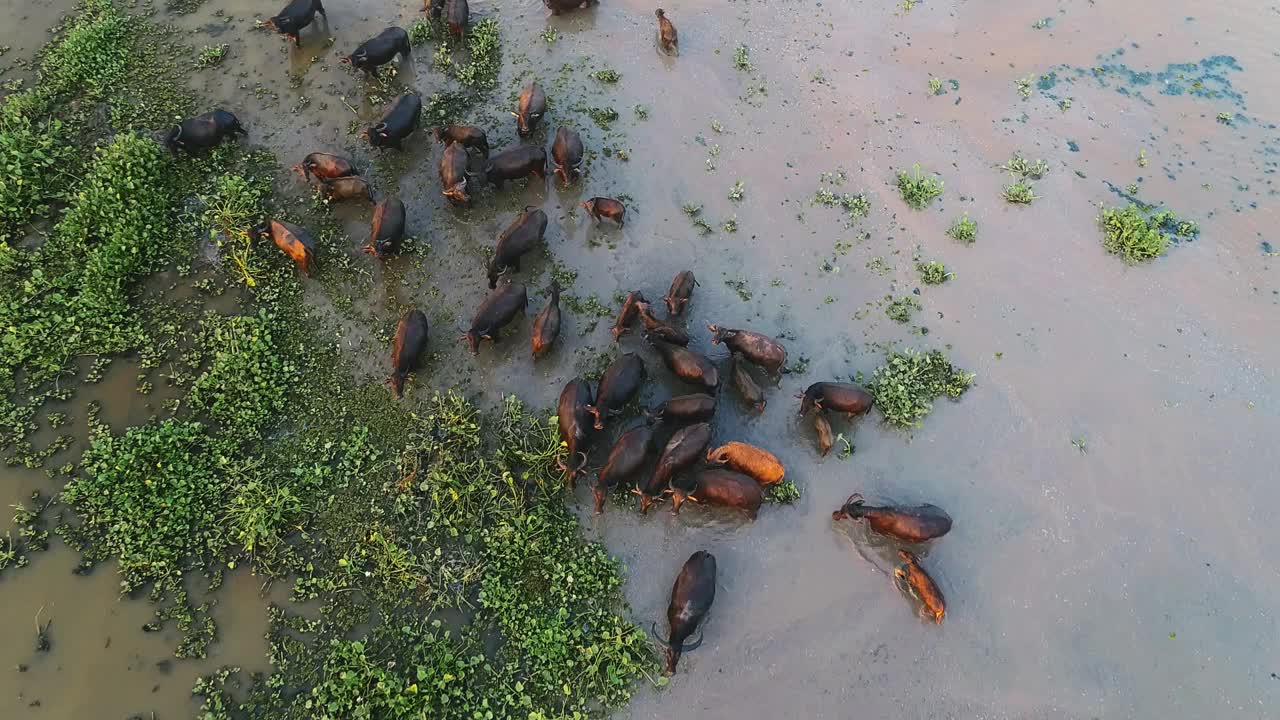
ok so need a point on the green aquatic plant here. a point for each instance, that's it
(231, 210)
(114, 232)
(739, 285)
(963, 230)
(441, 59)
(1020, 167)
(604, 117)
(1129, 233)
(472, 513)
(1019, 193)
(935, 85)
(484, 49)
(423, 31)
(907, 384)
(247, 381)
(846, 447)
(38, 166)
(784, 493)
(738, 191)
(152, 498)
(742, 59)
(902, 309)
(918, 189)
(933, 273)
(211, 55)
(1024, 85)
(607, 75)
(855, 207)
(92, 58)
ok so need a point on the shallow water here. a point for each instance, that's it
(1130, 579)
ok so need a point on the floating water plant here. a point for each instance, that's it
(1139, 236)
(901, 309)
(909, 381)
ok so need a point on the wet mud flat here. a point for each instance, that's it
(1108, 470)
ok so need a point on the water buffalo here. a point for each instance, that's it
(379, 50)
(295, 16)
(203, 131)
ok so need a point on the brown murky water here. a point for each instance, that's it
(1137, 578)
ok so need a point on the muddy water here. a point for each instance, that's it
(1133, 578)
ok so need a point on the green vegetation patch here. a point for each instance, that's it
(963, 230)
(1019, 193)
(246, 383)
(855, 207)
(909, 381)
(73, 297)
(484, 46)
(607, 75)
(93, 56)
(918, 189)
(1138, 235)
(1020, 167)
(902, 309)
(35, 160)
(933, 272)
(231, 209)
(479, 72)
(151, 497)
(211, 55)
(785, 492)
(469, 513)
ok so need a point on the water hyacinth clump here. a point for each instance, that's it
(909, 381)
(1138, 237)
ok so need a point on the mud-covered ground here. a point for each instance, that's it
(1110, 472)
